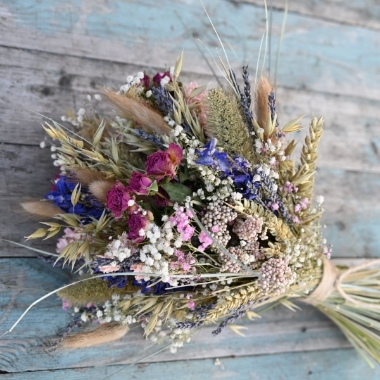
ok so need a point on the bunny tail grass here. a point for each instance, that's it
(103, 334)
(41, 208)
(261, 101)
(138, 111)
(87, 176)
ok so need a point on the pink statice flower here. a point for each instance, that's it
(327, 250)
(138, 268)
(197, 101)
(65, 304)
(184, 262)
(296, 220)
(302, 205)
(139, 184)
(191, 305)
(205, 240)
(110, 268)
(69, 236)
(182, 221)
(117, 199)
(289, 187)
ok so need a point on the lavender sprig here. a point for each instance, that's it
(247, 86)
(78, 321)
(237, 313)
(163, 100)
(272, 105)
(151, 138)
(245, 97)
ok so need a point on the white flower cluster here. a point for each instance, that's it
(270, 148)
(112, 312)
(132, 81)
(159, 240)
(119, 248)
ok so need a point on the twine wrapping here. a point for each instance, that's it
(326, 286)
(332, 280)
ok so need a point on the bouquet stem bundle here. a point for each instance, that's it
(351, 298)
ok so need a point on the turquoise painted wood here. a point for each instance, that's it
(323, 56)
(290, 366)
(26, 347)
(54, 53)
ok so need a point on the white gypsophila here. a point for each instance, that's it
(319, 199)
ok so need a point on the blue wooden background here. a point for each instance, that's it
(54, 53)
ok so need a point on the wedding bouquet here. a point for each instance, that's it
(187, 209)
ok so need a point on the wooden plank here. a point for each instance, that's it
(25, 349)
(351, 124)
(354, 12)
(316, 54)
(352, 216)
(330, 364)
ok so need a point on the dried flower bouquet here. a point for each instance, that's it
(187, 209)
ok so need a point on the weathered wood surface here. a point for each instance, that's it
(52, 54)
(26, 347)
(293, 366)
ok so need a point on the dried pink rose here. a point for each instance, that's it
(163, 164)
(137, 224)
(139, 184)
(159, 166)
(175, 153)
(117, 199)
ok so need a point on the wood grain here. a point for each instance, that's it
(314, 365)
(316, 54)
(354, 12)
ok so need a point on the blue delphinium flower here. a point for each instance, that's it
(248, 181)
(87, 206)
(237, 168)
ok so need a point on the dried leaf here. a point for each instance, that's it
(293, 125)
(236, 329)
(197, 91)
(41, 232)
(75, 195)
(178, 65)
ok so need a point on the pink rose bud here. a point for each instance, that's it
(139, 183)
(117, 199)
